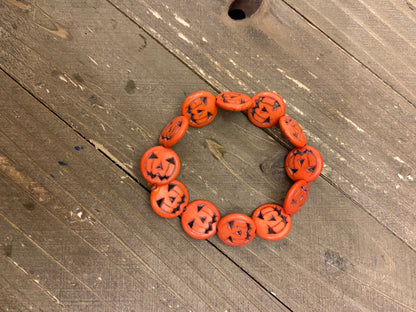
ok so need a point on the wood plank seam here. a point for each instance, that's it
(90, 142)
(217, 86)
(99, 150)
(251, 276)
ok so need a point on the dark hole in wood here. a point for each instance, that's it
(241, 9)
(237, 14)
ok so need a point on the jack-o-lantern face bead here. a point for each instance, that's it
(267, 109)
(233, 101)
(199, 108)
(236, 229)
(272, 223)
(200, 218)
(174, 131)
(169, 200)
(159, 165)
(304, 163)
(293, 131)
(296, 197)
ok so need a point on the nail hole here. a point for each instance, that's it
(241, 9)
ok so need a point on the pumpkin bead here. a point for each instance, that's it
(267, 109)
(160, 165)
(236, 229)
(233, 101)
(169, 200)
(174, 131)
(200, 219)
(272, 223)
(296, 197)
(293, 131)
(304, 163)
(199, 108)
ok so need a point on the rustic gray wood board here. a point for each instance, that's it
(364, 130)
(12, 298)
(379, 34)
(83, 232)
(331, 260)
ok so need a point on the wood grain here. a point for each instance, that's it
(363, 129)
(103, 84)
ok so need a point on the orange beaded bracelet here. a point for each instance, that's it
(200, 219)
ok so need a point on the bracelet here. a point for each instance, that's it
(200, 219)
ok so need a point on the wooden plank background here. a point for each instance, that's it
(86, 87)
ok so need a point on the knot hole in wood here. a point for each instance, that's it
(241, 9)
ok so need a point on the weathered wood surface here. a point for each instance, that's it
(363, 128)
(80, 235)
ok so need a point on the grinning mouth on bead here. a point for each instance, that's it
(154, 175)
(161, 202)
